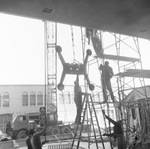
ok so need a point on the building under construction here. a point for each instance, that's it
(130, 91)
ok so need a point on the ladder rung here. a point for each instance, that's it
(91, 120)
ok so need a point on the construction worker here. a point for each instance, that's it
(118, 132)
(30, 134)
(78, 100)
(36, 139)
(107, 74)
(8, 128)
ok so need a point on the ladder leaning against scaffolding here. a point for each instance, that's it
(96, 39)
(88, 110)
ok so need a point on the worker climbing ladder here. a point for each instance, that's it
(89, 117)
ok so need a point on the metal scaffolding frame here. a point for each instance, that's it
(130, 72)
(50, 64)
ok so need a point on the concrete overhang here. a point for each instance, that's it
(129, 17)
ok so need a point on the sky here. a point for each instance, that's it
(22, 49)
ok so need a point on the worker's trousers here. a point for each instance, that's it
(106, 84)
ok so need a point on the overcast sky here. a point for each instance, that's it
(22, 49)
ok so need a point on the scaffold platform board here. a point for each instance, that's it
(116, 57)
(139, 73)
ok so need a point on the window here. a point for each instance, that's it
(32, 99)
(67, 98)
(25, 99)
(6, 100)
(133, 113)
(97, 97)
(93, 96)
(61, 98)
(72, 98)
(40, 98)
(22, 118)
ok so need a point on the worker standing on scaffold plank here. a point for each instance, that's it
(78, 100)
(107, 74)
(118, 132)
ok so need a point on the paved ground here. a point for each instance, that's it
(83, 145)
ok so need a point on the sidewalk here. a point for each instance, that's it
(83, 145)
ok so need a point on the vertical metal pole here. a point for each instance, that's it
(45, 67)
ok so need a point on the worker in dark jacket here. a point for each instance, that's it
(29, 134)
(107, 74)
(8, 128)
(118, 132)
(36, 139)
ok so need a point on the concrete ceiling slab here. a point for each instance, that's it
(129, 17)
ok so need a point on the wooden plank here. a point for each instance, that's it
(138, 73)
(119, 58)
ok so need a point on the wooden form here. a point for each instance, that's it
(118, 58)
(139, 73)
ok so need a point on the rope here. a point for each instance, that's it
(73, 45)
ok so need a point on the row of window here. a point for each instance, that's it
(27, 100)
(34, 99)
(68, 98)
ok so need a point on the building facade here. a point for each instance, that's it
(15, 99)
(20, 99)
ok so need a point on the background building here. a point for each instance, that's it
(19, 99)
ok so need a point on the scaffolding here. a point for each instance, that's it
(51, 64)
(127, 66)
(130, 76)
(130, 73)
(137, 107)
